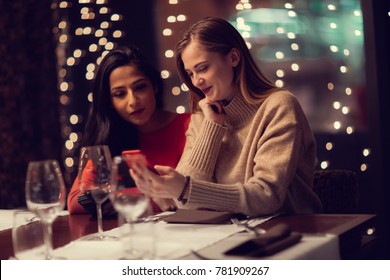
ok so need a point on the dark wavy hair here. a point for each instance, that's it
(104, 126)
(219, 36)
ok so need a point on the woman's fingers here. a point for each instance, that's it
(164, 170)
(142, 182)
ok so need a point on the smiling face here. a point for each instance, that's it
(211, 72)
(132, 95)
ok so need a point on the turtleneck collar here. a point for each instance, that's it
(239, 111)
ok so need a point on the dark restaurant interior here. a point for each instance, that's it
(333, 55)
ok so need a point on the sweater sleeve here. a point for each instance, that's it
(202, 147)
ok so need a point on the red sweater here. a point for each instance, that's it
(163, 147)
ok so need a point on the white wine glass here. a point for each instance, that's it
(129, 202)
(45, 195)
(94, 180)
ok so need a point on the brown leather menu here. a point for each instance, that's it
(190, 216)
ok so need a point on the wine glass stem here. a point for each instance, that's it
(47, 234)
(130, 245)
(99, 219)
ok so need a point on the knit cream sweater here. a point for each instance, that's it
(260, 162)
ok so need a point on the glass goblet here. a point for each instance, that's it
(128, 201)
(45, 195)
(94, 179)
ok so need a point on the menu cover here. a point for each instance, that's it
(190, 216)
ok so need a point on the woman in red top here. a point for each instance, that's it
(127, 113)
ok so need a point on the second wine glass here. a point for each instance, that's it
(94, 179)
(131, 204)
(45, 195)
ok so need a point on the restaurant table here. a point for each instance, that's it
(353, 235)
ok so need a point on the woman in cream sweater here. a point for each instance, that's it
(249, 146)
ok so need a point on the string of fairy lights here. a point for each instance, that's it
(99, 30)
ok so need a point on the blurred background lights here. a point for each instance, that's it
(279, 83)
(90, 67)
(103, 10)
(64, 86)
(73, 137)
(70, 61)
(77, 53)
(102, 41)
(165, 74)
(294, 67)
(62, 25)
(115, 17)
(167, 32)
(109, 46)
(184, 87)
(366, 152)
(294, 46)
(181, 18)
(280, 73)
(345, 110)
(176, 91)
(169, 53)
(291, 35)
(117, 34)
(180, 109)
(74, 119)
(334, 48)
(69, 162)
(104, 25)
(329, 146)
(69, 145)
(330, 86)
(89, 75)
(280, 30)
(93, 48)
(99, 33)
(324, 164)
(63, 38)
(171, 19)
(279, 55)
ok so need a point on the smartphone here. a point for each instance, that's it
(132, 156)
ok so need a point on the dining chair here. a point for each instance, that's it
(337, 190)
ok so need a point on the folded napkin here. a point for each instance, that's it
(189, 216)
(274, 240)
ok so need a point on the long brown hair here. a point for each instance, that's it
(218, 35)
(104, 125)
